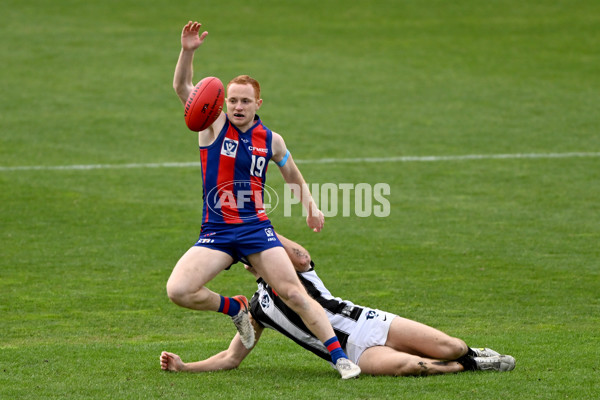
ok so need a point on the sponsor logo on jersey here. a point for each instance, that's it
(229, 148)
(258, 149)
(347, 311)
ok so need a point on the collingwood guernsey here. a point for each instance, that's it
(271, 312)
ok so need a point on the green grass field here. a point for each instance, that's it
(499, 251)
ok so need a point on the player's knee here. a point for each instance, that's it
(175, 295)
(178, 293)
(295, 298)
(453, 348)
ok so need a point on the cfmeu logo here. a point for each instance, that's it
(242, 199)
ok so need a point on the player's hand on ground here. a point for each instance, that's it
(170, 362)
(316, 220)
(190, 39)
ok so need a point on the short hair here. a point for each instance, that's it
(246, 80)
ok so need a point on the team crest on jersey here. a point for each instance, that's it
(265, 301)
(229, 148)
(372, 314)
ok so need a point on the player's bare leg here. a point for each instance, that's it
(418, 339)
(186, 288)
(275, 267)
(198, 266)
(413, 348)
(383, 360)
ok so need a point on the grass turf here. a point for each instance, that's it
(498, 252)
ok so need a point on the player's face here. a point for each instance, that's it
(242, 105)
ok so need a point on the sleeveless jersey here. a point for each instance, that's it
(234, 169)
(271, 312)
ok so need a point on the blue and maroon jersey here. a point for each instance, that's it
(234, 170)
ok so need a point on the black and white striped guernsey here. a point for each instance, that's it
(271, 312)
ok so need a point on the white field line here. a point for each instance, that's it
(316, 161)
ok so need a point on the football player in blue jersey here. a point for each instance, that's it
(381, 343)
(234, 153)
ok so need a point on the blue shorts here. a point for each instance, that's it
(239, 240)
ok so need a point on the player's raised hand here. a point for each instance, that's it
(316, 220)
(190, 37)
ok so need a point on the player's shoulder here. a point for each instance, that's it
(276, 136)
(278, 144)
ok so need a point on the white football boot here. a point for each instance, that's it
(347, 368)
(485, 352)
(243, 324)
(501, 363)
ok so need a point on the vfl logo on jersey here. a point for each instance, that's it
(270, 234)
(265, 301)
(372, 314)
(229, 148)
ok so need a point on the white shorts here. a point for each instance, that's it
(371, 330)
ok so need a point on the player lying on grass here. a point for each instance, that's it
(381, 343)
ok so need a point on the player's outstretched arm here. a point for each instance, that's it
(228, 359)
(292, 175)
(191, 39)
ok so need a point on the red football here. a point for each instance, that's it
(204, 104)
